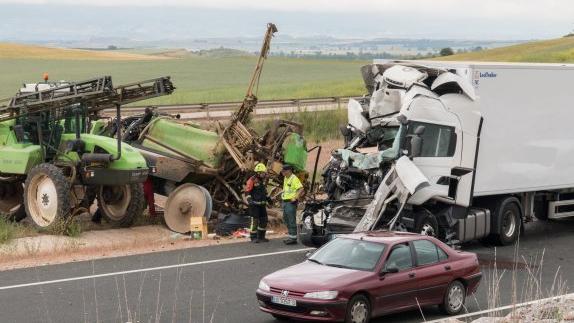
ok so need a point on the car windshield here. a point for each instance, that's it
(349, 253)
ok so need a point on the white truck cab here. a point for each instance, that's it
(486, 146)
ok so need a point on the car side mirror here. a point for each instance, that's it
(389, 270)
(308, 254)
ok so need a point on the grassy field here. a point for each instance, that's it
(559, 50)
(15, 51)
(198, 79)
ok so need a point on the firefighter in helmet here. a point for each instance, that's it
(257, 199)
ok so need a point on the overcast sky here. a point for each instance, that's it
(470, 19)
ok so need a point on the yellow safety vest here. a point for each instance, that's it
(290, 187)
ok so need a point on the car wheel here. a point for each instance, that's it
(453, 301)
(280, 317)
(358, 310)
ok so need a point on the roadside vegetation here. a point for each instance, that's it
(317, 126)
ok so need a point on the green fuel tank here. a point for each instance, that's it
(185, 140)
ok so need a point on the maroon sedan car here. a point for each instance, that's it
(358, 276)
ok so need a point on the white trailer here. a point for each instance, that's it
(494, 146)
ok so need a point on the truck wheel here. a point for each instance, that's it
(121, 204)
(47, 195)
(11, 201)
(426, 224)
(508, 220)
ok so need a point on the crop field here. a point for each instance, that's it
(560, 50)
(198, 79)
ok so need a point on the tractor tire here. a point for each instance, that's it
(47, 196)
(11, 200)
(121, 204)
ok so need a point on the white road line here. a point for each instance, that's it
(502, 308)
(190, 264)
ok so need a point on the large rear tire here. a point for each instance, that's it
(508, 220)
(12, 200)
(121, 204)
(47, 195)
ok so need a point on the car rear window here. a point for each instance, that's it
(427, 252)
(350, 253)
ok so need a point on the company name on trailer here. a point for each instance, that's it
(487, 74)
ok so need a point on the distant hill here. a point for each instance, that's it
(559, 50)
(20, 51)
(215, 52)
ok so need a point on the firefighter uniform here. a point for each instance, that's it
(256, 194)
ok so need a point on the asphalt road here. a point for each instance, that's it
(219, 284)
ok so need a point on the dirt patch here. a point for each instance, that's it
(327, 148)
(48, 250)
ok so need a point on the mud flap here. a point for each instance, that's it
(401, 182)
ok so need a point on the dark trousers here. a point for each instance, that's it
(259, 219)
(290, 218)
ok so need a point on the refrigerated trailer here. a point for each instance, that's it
(484, 148)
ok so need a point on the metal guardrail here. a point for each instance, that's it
(224, 110)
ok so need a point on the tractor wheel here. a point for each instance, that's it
(47, 195)
(11, 198)
(121, 204)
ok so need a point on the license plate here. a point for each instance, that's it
(284, 301)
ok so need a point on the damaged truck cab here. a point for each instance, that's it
(483, 149)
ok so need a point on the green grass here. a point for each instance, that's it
(559, 50)
(200, 79)
(11, 230)
(317, 126)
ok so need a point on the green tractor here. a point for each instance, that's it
(52, 167)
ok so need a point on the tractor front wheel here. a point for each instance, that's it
(47, 195)
(121, 204)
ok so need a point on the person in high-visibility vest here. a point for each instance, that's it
(292, 191)
(257, 199)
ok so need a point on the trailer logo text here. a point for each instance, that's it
(478, 75)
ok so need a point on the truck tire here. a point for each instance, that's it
(507, 221)
(11, 200)
(426, 224)
(47, 195)
(121, 204)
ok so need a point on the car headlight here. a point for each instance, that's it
(330, 294)
(263, 286)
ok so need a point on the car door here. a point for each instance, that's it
(396, 291)
(432, 271)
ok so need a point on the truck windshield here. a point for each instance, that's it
(349, 253)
